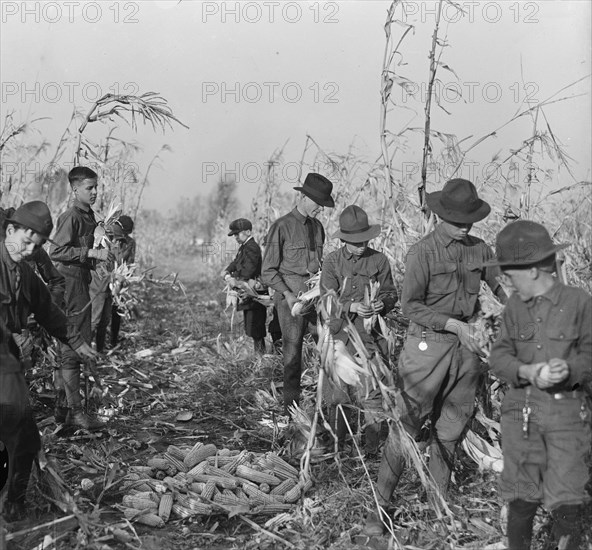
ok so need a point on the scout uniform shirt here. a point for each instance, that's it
(246, 265)
(293, 250)
(443, 278)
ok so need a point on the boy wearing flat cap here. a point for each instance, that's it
(349, 271)
(438, 368)
(293, 252)
(23, 293)
(544, 353)
(247, 267)
(75, 257)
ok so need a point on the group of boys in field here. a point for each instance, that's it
(543, 352)
(56, 290)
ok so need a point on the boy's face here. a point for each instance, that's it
(242, 236)
(21, 243)
(520, 280)
(86, 191)
(357, 249)
(456, 231)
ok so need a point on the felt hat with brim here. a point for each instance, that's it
(236, 226)
(34, 215)
(458, 202)
(318, 188)
(354, 226)
(126, 223)
(523, 243)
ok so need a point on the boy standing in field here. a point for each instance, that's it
(438, 369)
(247, 267)
(293, 252)
(349, 271)
(23, 293)
(544, 353)
(74, 255)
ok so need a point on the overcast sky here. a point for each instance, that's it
(247, 77)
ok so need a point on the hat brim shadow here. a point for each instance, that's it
(434, 204)
(328, 201)
(371, 233)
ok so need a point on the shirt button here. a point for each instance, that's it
(539, 347)
(539, 320)
(522, 337)
(561, 336)
(354, 286)
(355, 261)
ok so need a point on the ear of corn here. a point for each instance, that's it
(283, 487)
(175, 463)
(198, 469)
(177, 452)
(158, 464)
(256, 476)
(276, 508)
(197, 455)
(208, 490)
(194, 504)
(139, 503)
(279, 466)
(293, 494)
(223, 482)
(257, 496)
(165, 506)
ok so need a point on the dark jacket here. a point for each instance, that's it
(246, 265)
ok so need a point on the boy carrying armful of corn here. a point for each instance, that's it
(351, 272)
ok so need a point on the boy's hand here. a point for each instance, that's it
(555, 371)
(102, 255)
(86, 351)
(467, 336)
(362, 310)
(290, 298)
(378, 306)
(531, 373)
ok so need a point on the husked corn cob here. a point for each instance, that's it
(198, 468)
(138, 503)
(256, 476)
(208, 490)
(197, 454)
(228, 498)
(243, 457)
(293, 494)
(148, 495)
(284, 487)
(280, 467)
(271, 508)
(177, 452)
(224, 452)
(150, 519)
(160, 474)
(242, 496)
(175, 462)
(197, 487)
(182, 512)
(146, 471)
(182, 477)
(193, 504)
(165, 506)
(257, 496)
(219, 460)
(265, 488)
(140, 485)
(224, 482)
(306, 486)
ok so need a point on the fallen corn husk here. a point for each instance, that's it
(121, 282)
(306, 301)
(487, 456)
(485, 323)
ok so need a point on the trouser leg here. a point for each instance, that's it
(115, 325)
(71, 377)
(391, 466)
(293, 330)
(101, 334)
(520, 518)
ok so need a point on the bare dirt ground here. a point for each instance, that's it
(197, 364)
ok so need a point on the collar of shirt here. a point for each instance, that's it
(441, 236)
(298, 215)
(247, 240)
(552, 295)
(81, 206)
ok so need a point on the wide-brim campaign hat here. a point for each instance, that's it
(458, 202)
(523, 243)
(34, 215)
(236, 226)
(354, 226)
(318, 188)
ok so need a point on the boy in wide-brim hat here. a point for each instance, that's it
(293, 252)
(438, 367)
(544, 353)
(349, 271)
(23, 293)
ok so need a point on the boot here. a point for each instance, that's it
(372, 437)
(17, 487)
(71, 379)
(80, 419)
(61, 406)
(520, 517)
(567, 526)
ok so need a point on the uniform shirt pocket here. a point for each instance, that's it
(473, 278)
(525, 339)
(443, 278)
(294, 252)
(562, 340)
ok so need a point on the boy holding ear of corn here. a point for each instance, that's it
(439, 368)
(351, 272)
(247, 267)
(544, 353)
(73, 252)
